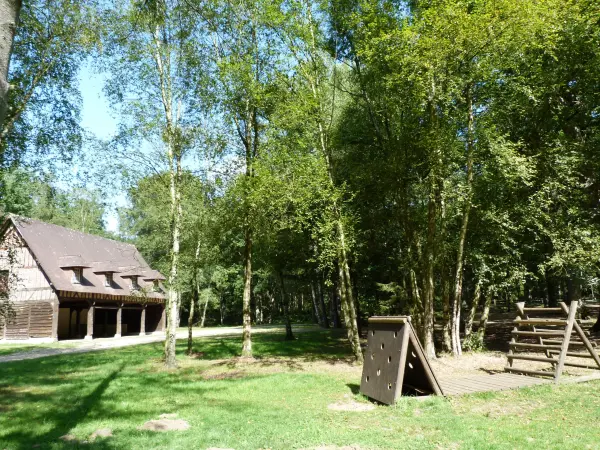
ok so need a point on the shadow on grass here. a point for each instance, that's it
(330, 346)
(44, 399)
(67, 418)
(355, 388)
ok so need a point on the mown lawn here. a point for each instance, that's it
(280, 401)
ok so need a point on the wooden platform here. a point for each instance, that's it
(488, 383)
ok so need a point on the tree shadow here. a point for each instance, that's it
(67, 419)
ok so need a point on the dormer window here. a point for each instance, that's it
(155, 277)
(74, 264)
(134, 284)
(77, 275)
(106, 271)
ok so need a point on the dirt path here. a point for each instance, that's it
(83, 346)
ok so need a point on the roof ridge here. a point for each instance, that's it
(16, 216)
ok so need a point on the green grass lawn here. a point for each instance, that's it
(279, 401)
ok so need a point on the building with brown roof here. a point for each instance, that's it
(57, 283)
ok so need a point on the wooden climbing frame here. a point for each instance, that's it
(555, 337)
(395, 362)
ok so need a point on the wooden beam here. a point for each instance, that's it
(143, 322)
(163, 319)
(533, 358)
(119, 321)
(580, 365)
(55, 310)
(556, 322)
(538, 333)
(574, 354)
(398, 319)
(526, 345)
(90, 322)
(529, 372)
(584, 338)
(565, 344)
(543, 310)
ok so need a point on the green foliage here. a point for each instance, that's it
(53, 39)
(27, 195)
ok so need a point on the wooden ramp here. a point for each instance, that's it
(488, 383)
(395, 362)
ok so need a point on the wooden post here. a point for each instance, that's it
(90, 322)
(143, 322)
(566, 339)
(163, 320)
(119, 320)
(583, 338)
(78, 322)
(55, 310)
(70, 320)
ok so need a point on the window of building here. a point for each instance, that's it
(4, 279)
(108, 280)
(134, 283)
(77, 275)
(156, 286)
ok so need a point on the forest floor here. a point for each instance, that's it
(294, 394)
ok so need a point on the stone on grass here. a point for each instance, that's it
(68, 438)
(102, 432)
(165, 425)
(351, 406)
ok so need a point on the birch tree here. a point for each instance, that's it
(247, 64)
(148, 53)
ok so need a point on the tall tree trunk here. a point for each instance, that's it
(484, 316)
(429, 286)
(347, 297)
(334, 303)
(204, 313)
(458, 280)
(174, 152)
(195, 297)
(247, 320)
(472, 311)
(348, 308)
(193, 300)
(9, 18)
(447, 325)
(289, 335)
(222, 307)
(317, 313)
(322, 302)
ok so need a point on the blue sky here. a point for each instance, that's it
(97, 119)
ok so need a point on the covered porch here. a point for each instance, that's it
(102, 318)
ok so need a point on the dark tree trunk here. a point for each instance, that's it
(323, 306)
(335, 315)
(551, 289)
(193, 301)
(289, 335)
